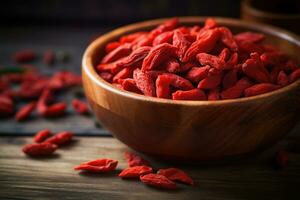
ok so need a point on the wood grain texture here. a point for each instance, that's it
(194, 130)
(53, 178)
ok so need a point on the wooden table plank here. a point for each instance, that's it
(22, 177)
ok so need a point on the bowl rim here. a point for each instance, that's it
(89, 69)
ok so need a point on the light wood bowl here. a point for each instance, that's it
(193, 130)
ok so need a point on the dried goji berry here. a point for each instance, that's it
(158, 55)
(213, 94)
(135, 160)
(158, 181)
(210, 23)
(98, 165)
(144, 82)
(260, 88)
(119, 52)
(60, 138)
(203, 45)
(224, 54)
(255, 69)
(273, 58)
(135, 59)
(250, 37)
(175, 174)
(111, 46)
(230, 79)
(164, 81)
(80, 107)
(194, 94)
(166, 26)
(130, 85)
(232, 61)
(24, 56)
(25, 111)
(197, 73)
(55, 110)
(165, 37)
(295, 75)
(181, 43)
(131, 37)
(249, 47)
(106, 76)
(274, 74)
(42, 135)
(172, 66)
(211, 81)
(39, 149)
(237, 90)
(227, 38)
(124, 73)
(211, 60)
(135, 172)
(282, 79)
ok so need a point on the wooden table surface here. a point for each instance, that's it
(22, 177)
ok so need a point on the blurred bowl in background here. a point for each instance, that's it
(281, 13)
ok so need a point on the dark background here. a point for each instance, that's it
(108, 12)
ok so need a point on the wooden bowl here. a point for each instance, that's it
(193, 130)
(285, 14)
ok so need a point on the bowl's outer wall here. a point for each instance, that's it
(203, 132)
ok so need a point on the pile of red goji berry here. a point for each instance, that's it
(196, 63)
(139, 168)
(25, 84)
(45, 144)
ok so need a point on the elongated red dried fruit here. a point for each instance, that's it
(55, 110)
(250, 37)
(119, 52)
(211, 81)
(181, 43)
(213, 94)
(135, 59)
(106, 76)
(42, 135)
(158, 181)
(60, 138)
(230, 79)
(24, 56)
(224, 54)
(273, 58)
(203, 45)
(111, 46)
(131, 37)
(197, 73)
(175, 174)
(194, 94)
(45, 97)
(144, 82)
(6, 106)
(165, 37)
(39, 149)
(255, 69)
(25, 111)
(282, 79)
(237, 90)
(158, 55)
(210, 23)
(172, 66)
(135, 160)
(166, 26)
(80, 107)
(274, 74)
(260, 88)
(249, 47)
(211, 60)
(164, 81)
(98, 165)
(124, 73)
(295, 75)
(227, 38)
(130, 85)
(135, 172)
(232, 61)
